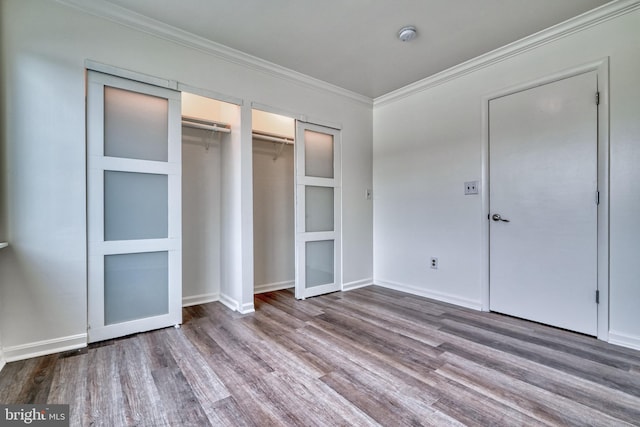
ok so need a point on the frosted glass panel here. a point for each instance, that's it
(135, 286)
(319, 263)
(135, 206)
(135, 125)
(318, 154)
(318, 208)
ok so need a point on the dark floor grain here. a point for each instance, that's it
(368, 357)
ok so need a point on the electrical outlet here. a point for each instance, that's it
(434, 263)
(471, 187)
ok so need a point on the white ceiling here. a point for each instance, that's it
(352, 43)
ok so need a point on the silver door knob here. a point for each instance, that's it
(497, 217)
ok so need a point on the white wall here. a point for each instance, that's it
(428, 143)
(43, 273)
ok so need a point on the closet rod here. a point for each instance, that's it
(213, 127)
(273, 138)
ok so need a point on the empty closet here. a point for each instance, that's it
(209, 128)
(273, 201)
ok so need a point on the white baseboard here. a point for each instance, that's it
(357, 284)
(229, 302)
(2, 361)
(235, 305)
(624, 340)
(199, 299)
(42, 348)
(438, 296)
(247, 308)
(270, 287)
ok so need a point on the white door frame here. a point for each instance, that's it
(602, 68)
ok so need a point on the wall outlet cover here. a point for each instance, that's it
(471, 187)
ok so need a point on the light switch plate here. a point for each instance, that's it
(471, 187)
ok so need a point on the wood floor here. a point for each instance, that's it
(366, 357)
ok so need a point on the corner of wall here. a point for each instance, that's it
(357, 284)
(247, 308)
(229, 302)
(624, 340)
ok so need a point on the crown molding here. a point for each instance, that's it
(128, 18)
(573, 25)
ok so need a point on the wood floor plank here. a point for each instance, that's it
(69, 386)
(613, 378)
(530, 400)
(473, 408)
(138, 385)
(367, 357)
(175, 396)
(104, 403)
(227, 412)
(560, 344)
(618, 404)
(205, 383)
(16, 377)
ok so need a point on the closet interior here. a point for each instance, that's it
(273, 201)
(209, 129)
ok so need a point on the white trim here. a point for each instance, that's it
(247, 308)
(229, 302)
(182, 87)
(624, 340)
(131, 19)
(42, 348)
(319, 122)
(200, 299)
(357, 284)
(276, 110)
(3, 362)
(299, 117)
(579, 23)
(129, 74)
(601, 66)
(275, 286)
(426, 293)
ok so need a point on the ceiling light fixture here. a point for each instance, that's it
(406, 34)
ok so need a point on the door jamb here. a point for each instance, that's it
(601, 67)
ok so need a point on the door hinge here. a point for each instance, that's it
(597, 297)
(597, 197)
(597, 98)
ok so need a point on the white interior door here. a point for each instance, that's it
(543, 166)
(318, 210)
(134, 207)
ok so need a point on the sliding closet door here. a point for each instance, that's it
(134, 207)
(318, 243)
